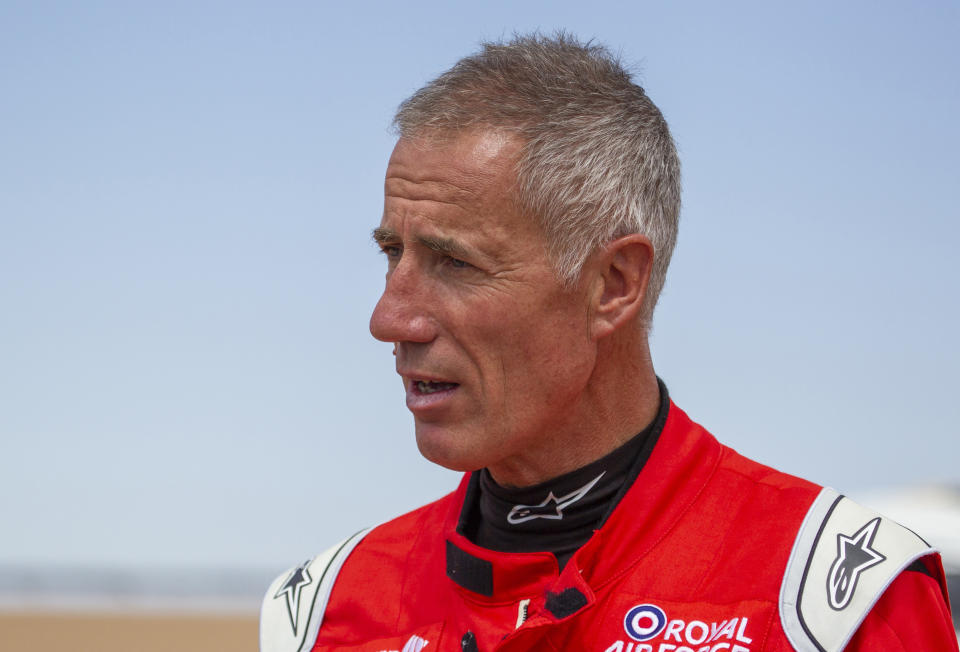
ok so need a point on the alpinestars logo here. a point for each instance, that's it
(854, 555)
(551, 507)
(292, 589)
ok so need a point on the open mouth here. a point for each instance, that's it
(432, 386)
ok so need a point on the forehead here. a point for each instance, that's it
(463, 183)
(468, 163)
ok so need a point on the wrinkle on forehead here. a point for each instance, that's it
(450, 171)
(430, 190)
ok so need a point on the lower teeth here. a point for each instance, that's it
(430, 387)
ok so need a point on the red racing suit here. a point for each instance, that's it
(706, 552)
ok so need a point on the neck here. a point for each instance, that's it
(619, 400)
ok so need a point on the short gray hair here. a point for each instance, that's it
(597, 159)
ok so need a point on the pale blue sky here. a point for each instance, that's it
(186, 195)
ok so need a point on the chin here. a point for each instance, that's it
(445, 447)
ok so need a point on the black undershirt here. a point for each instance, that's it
(561, 514)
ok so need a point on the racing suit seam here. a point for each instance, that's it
(716, 553)
(628, 567)
(766, 632)
(764, 480)
(551, 645)
(730, 531)
(407, 565)
(467, 597)
(892, 631)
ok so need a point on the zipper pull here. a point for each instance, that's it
(522, 612)
(469, 643)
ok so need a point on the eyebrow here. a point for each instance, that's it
(445, 246)
(382, 236)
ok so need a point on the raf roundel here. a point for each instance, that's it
(645, 621)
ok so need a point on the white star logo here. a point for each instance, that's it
(292, 589)
(521, 513)
(854, 555)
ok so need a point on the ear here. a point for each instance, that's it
(623, 268)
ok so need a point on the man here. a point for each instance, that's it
(530, 211)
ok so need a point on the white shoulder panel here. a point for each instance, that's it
(293, 607)
(844, 558)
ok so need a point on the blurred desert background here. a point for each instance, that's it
(107, 632)
(113, 610)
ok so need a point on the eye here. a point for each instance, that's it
(459, 264)
(391, 251)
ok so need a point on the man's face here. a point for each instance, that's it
(494, 353)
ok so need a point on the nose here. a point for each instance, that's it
(401, 314)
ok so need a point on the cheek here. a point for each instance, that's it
(524, 351)
(544, 362)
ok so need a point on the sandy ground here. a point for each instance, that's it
(133, 632)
